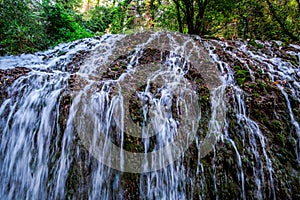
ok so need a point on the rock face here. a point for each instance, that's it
(257, 152)
(267, 74)
(7, 77)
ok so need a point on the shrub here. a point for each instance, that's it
(61, 26)
(21, 28)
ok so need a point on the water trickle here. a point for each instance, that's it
(149, 116)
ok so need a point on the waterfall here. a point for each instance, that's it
(151, 115)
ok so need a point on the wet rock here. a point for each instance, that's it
(240, 157)
(7, 78)
(267, 106)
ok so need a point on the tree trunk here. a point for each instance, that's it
(200, 17)
(178, 16)
(280, 22)
(189, 15)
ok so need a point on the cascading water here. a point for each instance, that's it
(151, 116)
(251, 127)
(34, 149)
(239, 54)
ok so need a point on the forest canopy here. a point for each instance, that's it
(31, 25)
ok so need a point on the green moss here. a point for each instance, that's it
(256, 95)
(263, 87)
(242, 76)
(254, 44)
(294, 60)
(276, 125)
(241, 81)
(115, 68)
(259, 71)
(236, 68)
(252, 85)
(280, 138)
(261, 84)
(245, 160)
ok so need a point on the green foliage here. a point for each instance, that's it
(61, 25)
(166, 17)
(220, 18)
(257, 45)
(21, 27)
(241, 75)
(67, 4)
(286, 15)
(99, 19)
(28, 26)
(118, 17)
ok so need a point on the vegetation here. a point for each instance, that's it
(31, 25)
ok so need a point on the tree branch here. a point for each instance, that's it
(282, 25)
